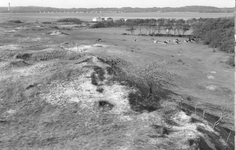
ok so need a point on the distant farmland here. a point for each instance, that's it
(89, 16)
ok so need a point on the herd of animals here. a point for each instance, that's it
(176, 41)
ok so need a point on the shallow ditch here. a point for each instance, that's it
(211, 119)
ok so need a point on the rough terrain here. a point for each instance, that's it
(62, 89)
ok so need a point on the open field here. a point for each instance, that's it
(64, 89)
(115, 16)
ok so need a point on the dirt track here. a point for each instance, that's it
(65, 90)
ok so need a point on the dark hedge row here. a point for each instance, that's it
(216, 32)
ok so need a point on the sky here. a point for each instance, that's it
(116, 3)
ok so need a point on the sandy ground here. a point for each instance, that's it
(62, 89)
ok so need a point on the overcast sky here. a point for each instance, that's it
(116, 3)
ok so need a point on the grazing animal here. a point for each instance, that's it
(165, 42)
(99, 39)
(186, 41)
(176, 41)
(191, 40)
(135, 40)
(154, 41)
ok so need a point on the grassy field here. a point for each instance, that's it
(64, 89)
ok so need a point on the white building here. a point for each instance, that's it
(108, 19)
(96, 19)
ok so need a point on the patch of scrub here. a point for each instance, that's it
(10, 47)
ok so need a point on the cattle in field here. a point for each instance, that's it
(154, 41)
(99, 39)
(165, 42)
(186, 41)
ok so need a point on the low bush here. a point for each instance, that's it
(15, 21)
(46, 22)
(231, 61)
(102, 24)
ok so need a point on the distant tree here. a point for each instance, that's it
(151, 28)
(168, 26)
(185, 28)
(131, 29)
(119, 22)
(160, 24)
(179, 25)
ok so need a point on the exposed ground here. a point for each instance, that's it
(62, 89)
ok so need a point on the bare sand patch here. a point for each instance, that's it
(81, 90)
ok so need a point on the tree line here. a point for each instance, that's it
(153, 27)
(216, 32)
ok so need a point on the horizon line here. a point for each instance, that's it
(117, 7)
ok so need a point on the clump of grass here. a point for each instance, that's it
(54, 54)
(97, 75)
(105, 105)
(100, 72)
(15, 21)
(110, 71)
(231, 61)
(94, 79)
(140, 101)
(100, 90)
(161, 130)
(46, 22)
(24, 56)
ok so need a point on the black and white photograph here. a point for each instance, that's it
(117, 74)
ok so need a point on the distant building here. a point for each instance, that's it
(97, 19)
(108, 19)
